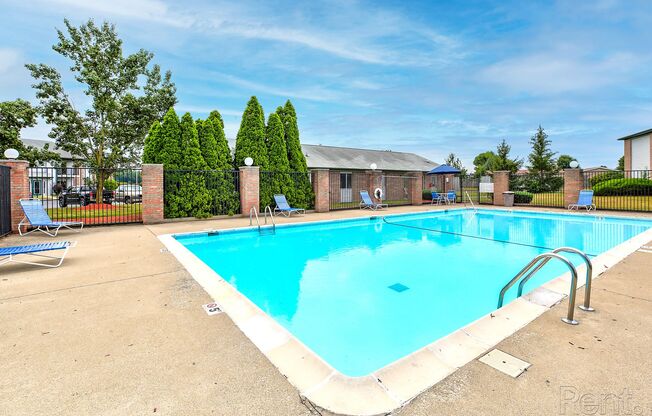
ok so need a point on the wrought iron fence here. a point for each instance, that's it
(296, 186)
(345, 189)
(5, 200)
(629, 190)
(538, 189)
(70, 194)
(201, 193)
(471, 191)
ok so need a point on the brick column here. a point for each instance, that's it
(153, 194)
(416, 187)
(249, 188)
(501, 184)
(321, 187)
(628, 154)
(19, 188)
(573, 184)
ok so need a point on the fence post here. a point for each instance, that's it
(249, 188)
(153, 194)
(321, 187)
(501, 184)
(573, 184)
(417, 187)
(19, 185)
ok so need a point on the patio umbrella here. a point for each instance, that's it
(443, 169)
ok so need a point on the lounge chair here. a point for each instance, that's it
(451, 197)
(36, 216)
(368, 203)
(282, 206)
(584, 200)
(8, 254)
(437, 197)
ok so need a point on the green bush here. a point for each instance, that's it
(522, 197)
(624, 187)
(605, 177)
(110, 184)
(426, 195)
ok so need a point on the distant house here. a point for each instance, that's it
(597, 169)
(349, 168)
(638, 150)
(65, 173)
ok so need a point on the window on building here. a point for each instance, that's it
(345, 180)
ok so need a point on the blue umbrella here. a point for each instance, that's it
(443, 169)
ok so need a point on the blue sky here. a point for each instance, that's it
(426, 77)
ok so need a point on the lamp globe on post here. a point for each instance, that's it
(11, 154)
(248, 161)
(574, 164)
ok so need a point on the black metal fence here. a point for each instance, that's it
(345, 187)
(629, 190)
(5, 200)
(470, 191)
(538, 189)
(201, 193)
(70, 194)
(296, 186)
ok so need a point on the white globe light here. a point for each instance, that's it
(574, 164)
(249, 161)
(11, 154)
(373, 166)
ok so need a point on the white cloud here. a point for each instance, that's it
(9, 59)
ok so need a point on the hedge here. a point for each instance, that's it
(426, 195)
(605, 177)
(623, 187)
(521, 197)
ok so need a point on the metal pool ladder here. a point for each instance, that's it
(471, 201)
(253, 212)
(537, 264)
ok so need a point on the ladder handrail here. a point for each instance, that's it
(589, 275)
(571, 297)
(471, 201)
(254, 212)
(271, 216)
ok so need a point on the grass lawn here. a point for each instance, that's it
(78, 213)
(622, 203)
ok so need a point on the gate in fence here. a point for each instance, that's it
(5, 200)
(543, 189)
(345, 187)
(71, 194)
(477, 190)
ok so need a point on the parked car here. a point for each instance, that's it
(83, 195)
(129, 194)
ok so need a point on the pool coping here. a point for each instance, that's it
(397, 383)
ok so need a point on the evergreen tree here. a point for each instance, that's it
(502, 161)
(192, 198)
(279, 182)
(250, 141)
(153, 145)
(303, 195)
(208, 144)
(621, 163)
(542, 157)
(455, 162)
(223, 151)
(170, 139)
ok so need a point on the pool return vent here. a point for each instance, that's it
(266, 230)
(537, 264)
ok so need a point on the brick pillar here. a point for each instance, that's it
(249, 188)
(416, 187)
(321, 187)
(501, 184)
(628, 154)
(19, 183)
(448, 182)
(153, 194)
(573, 184)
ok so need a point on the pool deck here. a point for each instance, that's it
(119, 329)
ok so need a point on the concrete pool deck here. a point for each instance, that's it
(119, 329)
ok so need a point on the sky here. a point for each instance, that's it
(430, 77)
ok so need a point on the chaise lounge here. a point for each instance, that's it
(282, 206)
(367, 203)
(36, 216)
(8, 254)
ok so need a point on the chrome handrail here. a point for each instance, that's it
(571, 296)
(589, 276)
(471, 201)
(271, 216)
(254, 212)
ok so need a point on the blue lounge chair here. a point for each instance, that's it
(368, 203)
(282, 206)
(437, 197)
(451, 197)
(36, 216)
(8, 254)
(584, 200)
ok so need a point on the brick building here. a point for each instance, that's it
(638, 150)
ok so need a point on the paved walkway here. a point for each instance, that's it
(119, 330)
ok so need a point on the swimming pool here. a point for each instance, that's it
(363, 293)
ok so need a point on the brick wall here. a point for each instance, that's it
(501, 184)
(249, 188)
(153, 196)
(573, 184)
(19, 179)
(321, 187)
(628, 154)
(417, 187)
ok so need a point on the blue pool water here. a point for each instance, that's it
(364, 293)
